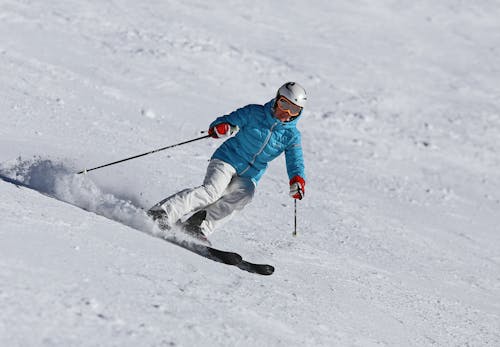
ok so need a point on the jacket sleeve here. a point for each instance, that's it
(238, 117)
(294, 158)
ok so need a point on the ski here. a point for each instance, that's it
(225, 257)
(261, 269)
(201, 245)
(220, 256)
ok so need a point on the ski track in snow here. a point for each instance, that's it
(58, 181)
(398, 241)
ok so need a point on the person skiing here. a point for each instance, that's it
(261, 133)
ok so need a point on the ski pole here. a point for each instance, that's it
(143, 154)
(295, 214)
(295, 217)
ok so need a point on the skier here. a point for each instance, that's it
(261, 133)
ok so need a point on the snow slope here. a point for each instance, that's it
(398, 242)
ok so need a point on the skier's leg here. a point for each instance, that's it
(238, 194)
(216, 180)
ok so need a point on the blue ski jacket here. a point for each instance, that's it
(260, 139)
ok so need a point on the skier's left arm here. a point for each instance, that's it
(295, 168)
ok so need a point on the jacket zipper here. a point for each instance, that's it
(261, 149)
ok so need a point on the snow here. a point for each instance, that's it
(398, 240)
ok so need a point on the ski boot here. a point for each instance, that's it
(192, 226)
(159, 217)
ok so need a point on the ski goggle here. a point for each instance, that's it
(286, 105)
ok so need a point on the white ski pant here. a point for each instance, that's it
(222, 194)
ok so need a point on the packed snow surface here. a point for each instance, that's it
(398, 235)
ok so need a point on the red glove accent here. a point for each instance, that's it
(220, 130)
(297, 187)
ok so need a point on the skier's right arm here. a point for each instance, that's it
(222, 130)
(235, 119)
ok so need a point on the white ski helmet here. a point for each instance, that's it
(293, 92)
